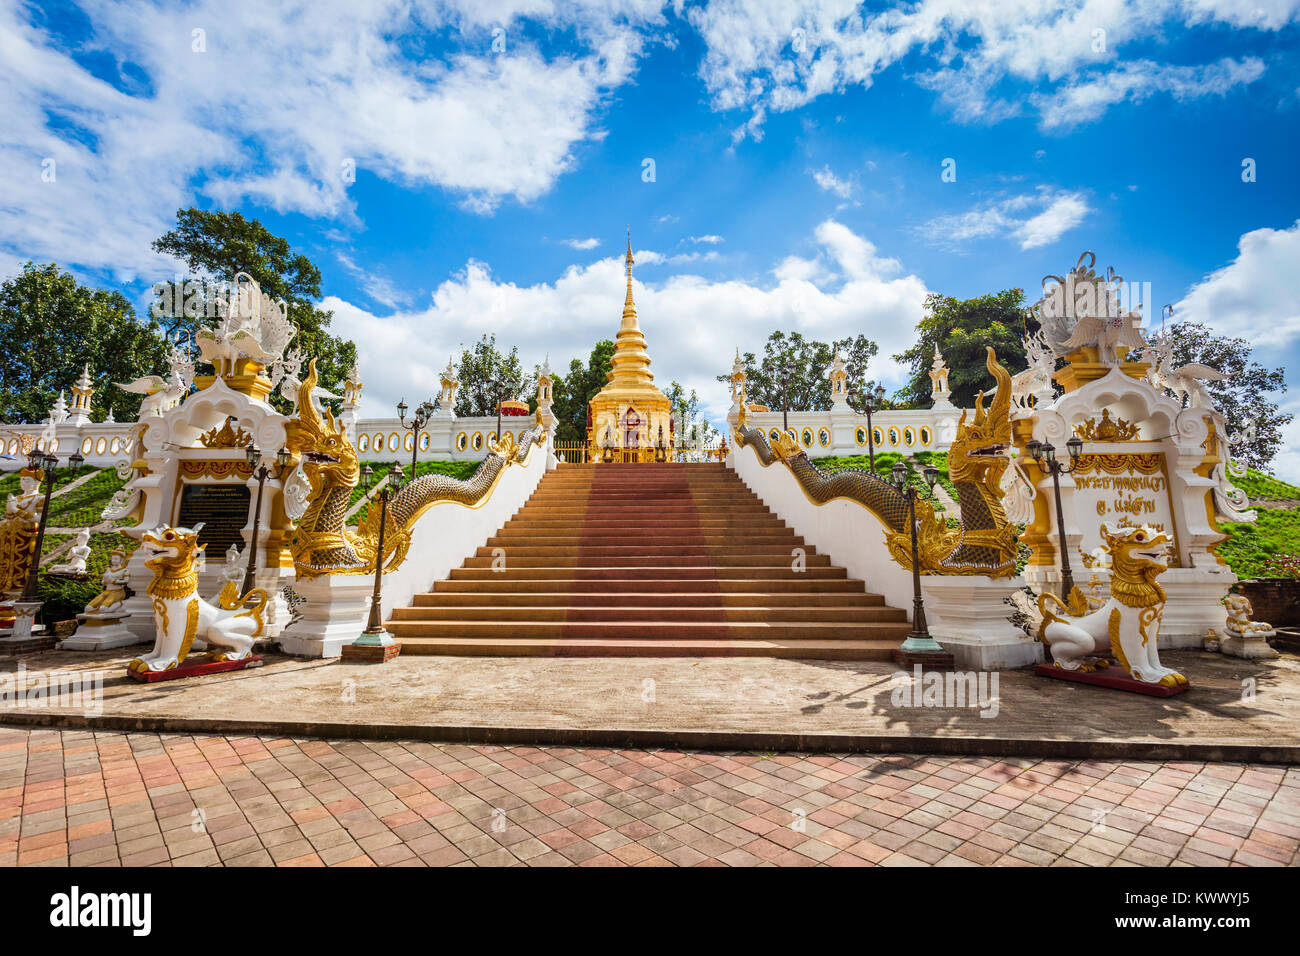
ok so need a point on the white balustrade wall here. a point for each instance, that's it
(106, 444)
(820, 433)
(101, 444)
(844, 432)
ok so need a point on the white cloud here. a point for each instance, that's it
(280, 108)
(1063, 214)
(1262, 14)
(709, 239)
(693, 325)
(581, 244)
(380, 288)
(1254, 295)
(831, 183)
(1286, 464)
(780, 55)
(1085, 101)
(1058, 213)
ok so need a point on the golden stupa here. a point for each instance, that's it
(629, 419)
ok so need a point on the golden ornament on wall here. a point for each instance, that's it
(1106, 429)
(195, 469)
(226, 437)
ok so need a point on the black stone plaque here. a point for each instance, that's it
(223, 510)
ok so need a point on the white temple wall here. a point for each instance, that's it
(105, 444)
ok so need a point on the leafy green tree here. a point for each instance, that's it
(485, 373)
(961, 328)
(808, 361)
(687, 406)
(217, 245)
(1243, 396)
(51, 325)
(683, 406)
(575, 390)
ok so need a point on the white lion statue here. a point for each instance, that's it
(181, 616)
(1128, 624)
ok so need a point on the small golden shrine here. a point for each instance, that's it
(629, 419)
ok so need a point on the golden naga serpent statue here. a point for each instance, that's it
(985, 542)
(321, 543)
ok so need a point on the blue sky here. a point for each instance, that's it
(500, 152)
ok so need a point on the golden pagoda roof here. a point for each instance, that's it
(630, 378)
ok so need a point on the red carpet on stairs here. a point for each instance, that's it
(648, 560)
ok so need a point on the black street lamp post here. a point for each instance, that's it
(1044, 455)
(919, 640)
(374, 634)
(506, 384)
(261, 473)
(785, 398)
(423, 412)
(870, 403)
(44, 462)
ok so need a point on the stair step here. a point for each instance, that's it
(593, 614)
(514, 561)
(761, 544)
(655, 572)
(863, 650)
(652, 630)
(680, 599)
(501, 583)
(717, 525)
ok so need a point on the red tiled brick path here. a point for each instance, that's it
(141, 799)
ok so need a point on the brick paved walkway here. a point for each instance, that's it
(140, 799)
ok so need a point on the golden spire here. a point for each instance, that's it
(629, 307)
(630, 365)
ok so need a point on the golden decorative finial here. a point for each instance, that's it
(629, 307)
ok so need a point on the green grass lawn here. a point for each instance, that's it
(1261, 550)
(1265, 487)
(453, 469)
(9, 484)
(66, 599)
(885, 461)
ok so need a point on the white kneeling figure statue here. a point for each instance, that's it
(1243, 637)
(100, 624)
(233, 571)
(78, 554)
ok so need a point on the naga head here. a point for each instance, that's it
(172, 552)
(785, 447)
(1138, 554)
(506, 447)
(978, 451)
(327, 455)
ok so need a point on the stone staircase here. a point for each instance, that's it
(648, 560)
